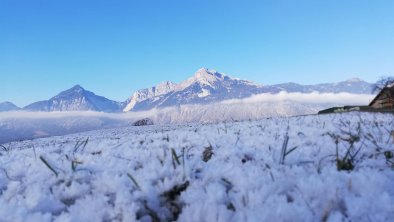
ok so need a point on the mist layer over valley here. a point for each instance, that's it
(19, 125)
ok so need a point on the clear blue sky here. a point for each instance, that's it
(115, 47)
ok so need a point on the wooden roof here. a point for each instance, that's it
(390, 89)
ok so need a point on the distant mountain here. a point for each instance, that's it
(207, 86)
(76, 99)
(354, 85)
(8, 106)
(204, 87)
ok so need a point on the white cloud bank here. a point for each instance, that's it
(307, 98)
(71, 114)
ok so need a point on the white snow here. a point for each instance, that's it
(158, 172)
(204, 93)
(144, 94)
(203, 76)
(130, 105)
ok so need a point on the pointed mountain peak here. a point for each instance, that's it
(77, 88)
(203, 70)
(206, 73)
(75, 91)
(76, 98)
(203, 76)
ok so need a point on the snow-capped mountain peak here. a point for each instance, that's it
(76, 90)
(76, 99)
(203, 76)
(204, 86)
(207, 74)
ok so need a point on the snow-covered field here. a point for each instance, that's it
(275, 169)
(28, 125)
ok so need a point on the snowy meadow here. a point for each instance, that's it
(336, 167)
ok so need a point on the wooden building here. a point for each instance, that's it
(385, 99)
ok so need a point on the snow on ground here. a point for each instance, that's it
(28, 125)
(207, 172)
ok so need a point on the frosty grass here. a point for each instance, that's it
(240, 171)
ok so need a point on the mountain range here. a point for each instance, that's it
(204, 87)
(207, 86)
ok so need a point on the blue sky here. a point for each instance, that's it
(115, 47)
